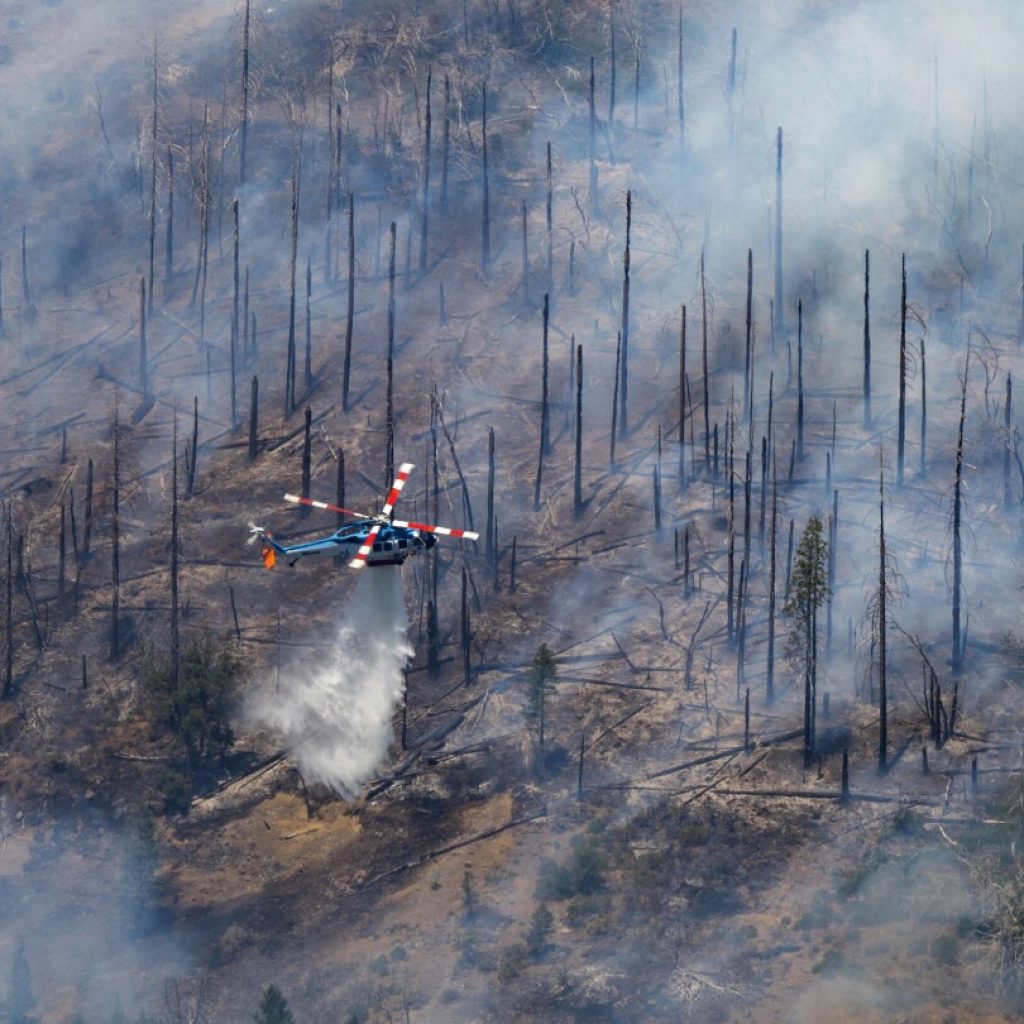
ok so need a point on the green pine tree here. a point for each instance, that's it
(807, 591)
(273, 1008)
(540, 681)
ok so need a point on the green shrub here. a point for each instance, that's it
(581, 874)
(196, 705)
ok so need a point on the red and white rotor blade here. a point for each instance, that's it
(364, 549)
(443, 531)
(396, 488)
(297, 499)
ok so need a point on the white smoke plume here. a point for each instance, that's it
(335, 715)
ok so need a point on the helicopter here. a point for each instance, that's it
(374, 540)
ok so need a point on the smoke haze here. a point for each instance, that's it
(334, 714)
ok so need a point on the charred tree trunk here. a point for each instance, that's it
(883, 696)
(465, 632)
(425, 211)
(245, 95)
(143, 362)
(902, 435)
(307, 460)
(624, 413)
(769, 686)
(389, 428)
(152, 180)
(62, 559)
(544, 426)
(491, 543)
(485, 219)
(750, 323)
(615, 399)
(867, 339)
(254, 410)
(245, 319)
(731, 555)
(8, 687)
(235, 296)
(446, 141)
(577, 491)
(309, 331)
(779, 320)
(351, 309)
(87, 521)
(1007, 421)
(115, 550)
(704, 352)
(681, 108)
(612, 60)
(800, 380)
(175, 638)
(169, 234)
(957, 517)
(195, 447)
(592, 140)
(682, 397)
(289, 398)
(549, 211)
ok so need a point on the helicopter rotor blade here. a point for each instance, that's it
(297, 499)
(396, 488)
(255, 532)
(444, 531)
(359, 561)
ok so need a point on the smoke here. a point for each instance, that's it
(335, 715)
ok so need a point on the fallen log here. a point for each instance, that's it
(434, 854)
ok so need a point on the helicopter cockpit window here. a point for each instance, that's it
(377, 547)
(403, 544)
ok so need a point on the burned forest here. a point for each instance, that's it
(666, 354)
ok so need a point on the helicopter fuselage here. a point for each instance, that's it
(392, 545)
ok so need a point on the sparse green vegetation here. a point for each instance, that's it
(581, 874)
(195, 702)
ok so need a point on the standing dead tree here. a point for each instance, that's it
(549, 212)
(544, 418)
(682, 398)
(902, 429)
(235, 298)
(425, 191)
(881, 612)
(351, 306)
(769, 683)
(175, 638)
(778, 325)
(867, 339)
(152, 180)
(143, 361)
(485, 217)
(246, 85)
(8, 688)
(289, 388)
(115, 552)
(624, 376)
(704, 351)
(577, 490)
(389, 426)
(958, 638)
(749, 336)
